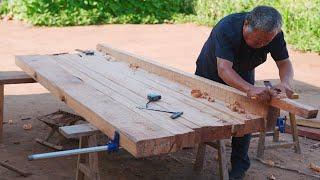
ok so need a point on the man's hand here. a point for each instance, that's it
(259, 93)
(285, 88)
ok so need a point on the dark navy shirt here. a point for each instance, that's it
(226, 41)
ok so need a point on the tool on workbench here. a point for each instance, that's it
(269, 85)
(86, 52)
(153, 97)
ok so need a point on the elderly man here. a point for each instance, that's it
(237, 44)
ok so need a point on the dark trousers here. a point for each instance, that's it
(240, 161)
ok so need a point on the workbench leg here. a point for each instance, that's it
(83, 142)
(223, 165)
(1, 110)
(294, 131)
(93, 159)
(276, 135)
(201, 151)
(261, 144)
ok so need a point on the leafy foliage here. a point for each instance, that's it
(86, 12)
(301, 17)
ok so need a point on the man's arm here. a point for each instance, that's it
(232, 78)
(286, 75)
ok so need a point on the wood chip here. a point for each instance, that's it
(196, 93)
(241, 111)
(233, 108)
(272, 177)
(314, 167)
(210, 99)
(270, 163)
(236, 107)
(134, 66)
(27, 126)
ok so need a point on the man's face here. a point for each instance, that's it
(257, 38)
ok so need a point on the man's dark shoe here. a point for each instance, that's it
(236, 176)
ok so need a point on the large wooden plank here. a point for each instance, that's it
(97, 69)
(175, 95)
(138, 135)
(219, 91)
(128, 98)
(15, 77)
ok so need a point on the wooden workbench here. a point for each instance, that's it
(107, 88)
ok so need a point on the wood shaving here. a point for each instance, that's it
(270, 163)
(27, 126)
(210, 99)
(241, 111)
(272, 177)
(236, 107)
(314, 167)
(134, 66)
(196, 93)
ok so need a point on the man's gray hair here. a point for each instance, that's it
(264, 18)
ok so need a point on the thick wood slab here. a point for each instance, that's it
(309, 132)
(314, 123)
(219, 91)
(107, 93)
(15, 77)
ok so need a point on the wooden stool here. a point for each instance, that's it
(223, 165)
(87, 164)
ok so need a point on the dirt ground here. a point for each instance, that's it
(174, 45)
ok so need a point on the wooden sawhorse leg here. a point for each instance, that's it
(294, 132)
(87, 164)
(223, 165)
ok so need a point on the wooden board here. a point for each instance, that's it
(219, 91)
(107, 93)
(79, 130)
(15, 77)
(311, 133)
(313, 123)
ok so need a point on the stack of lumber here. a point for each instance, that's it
(309, 128)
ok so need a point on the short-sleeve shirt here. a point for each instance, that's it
(226, 41)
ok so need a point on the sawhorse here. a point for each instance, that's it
(87, 164)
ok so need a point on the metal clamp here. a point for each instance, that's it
(281, 124)
(111, 146)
